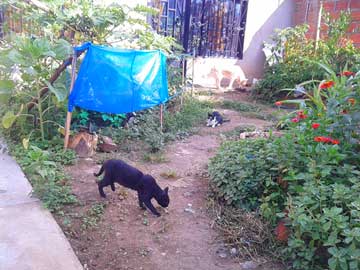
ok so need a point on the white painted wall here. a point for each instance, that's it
(263, 17)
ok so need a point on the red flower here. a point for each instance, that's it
(344, 111)
(352, 101)
(326, 84)
(347, 73)
(295, 120)
(301, 115)
(278, 103)
(315, 125)
(335, 141)
(326, 140)
(281, 232)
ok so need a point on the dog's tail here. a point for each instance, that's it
(226, 120)
(100, 172)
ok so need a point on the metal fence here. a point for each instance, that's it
(205, 27)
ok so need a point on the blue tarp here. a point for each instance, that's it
(113, 80)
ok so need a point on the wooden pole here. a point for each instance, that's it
(161, 116)
(68, 115)
(318, 26)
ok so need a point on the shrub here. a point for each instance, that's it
(307, 179)
(291, 59)
(239, 171)
(49, 182)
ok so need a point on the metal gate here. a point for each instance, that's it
(206, 27)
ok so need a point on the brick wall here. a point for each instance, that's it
(306, 11)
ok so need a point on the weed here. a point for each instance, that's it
(158, 157)
(93, 215)
(169, 174)
(46, 176)
(247, 109)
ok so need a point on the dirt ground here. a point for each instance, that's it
(126, 237)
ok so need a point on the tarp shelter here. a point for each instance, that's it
(113, 80)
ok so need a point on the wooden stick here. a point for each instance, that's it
(318, 26)
(161, 117)
(69, 114)
(67, 129)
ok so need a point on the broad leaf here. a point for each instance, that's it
(25, 143)
(8, 119)
(62, 49)
(5, 90)
(59, 91)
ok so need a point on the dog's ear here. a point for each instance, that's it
(209, 114)
(166, 190)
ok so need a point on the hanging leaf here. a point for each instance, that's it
(62, 49)
(8, 119)
(25, 143)
(59, 91)
(5, 90)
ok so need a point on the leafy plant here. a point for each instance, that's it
(49, 182)
(292, 57)
(93, 215)
(27, 66)
(308, 179)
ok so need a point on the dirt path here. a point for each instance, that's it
(129, 238)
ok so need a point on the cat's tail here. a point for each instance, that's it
(100, 172)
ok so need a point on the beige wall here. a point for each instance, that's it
(263, 17)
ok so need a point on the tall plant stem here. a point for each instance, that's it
(39, 107)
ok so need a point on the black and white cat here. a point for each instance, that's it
(130, 177)
(215, 119)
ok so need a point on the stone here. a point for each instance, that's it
(188, 194)
(249, 265)
(189, 210)
(222, 252)
(234, 252)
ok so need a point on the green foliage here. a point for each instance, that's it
(28, 64)
(85, 118)
(247, 109)
(93, 215)
(49, 182)
(308, 178)
(291, 59)
(28, 61)
(238, 172)
(178, 123)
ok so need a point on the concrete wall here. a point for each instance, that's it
(262, 18)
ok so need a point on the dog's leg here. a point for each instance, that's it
(103, 183)
(151, 207)
(141, 204)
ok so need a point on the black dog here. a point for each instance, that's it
(130, 177)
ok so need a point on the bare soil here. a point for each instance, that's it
(126, 237)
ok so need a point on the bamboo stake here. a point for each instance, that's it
(69, 114)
